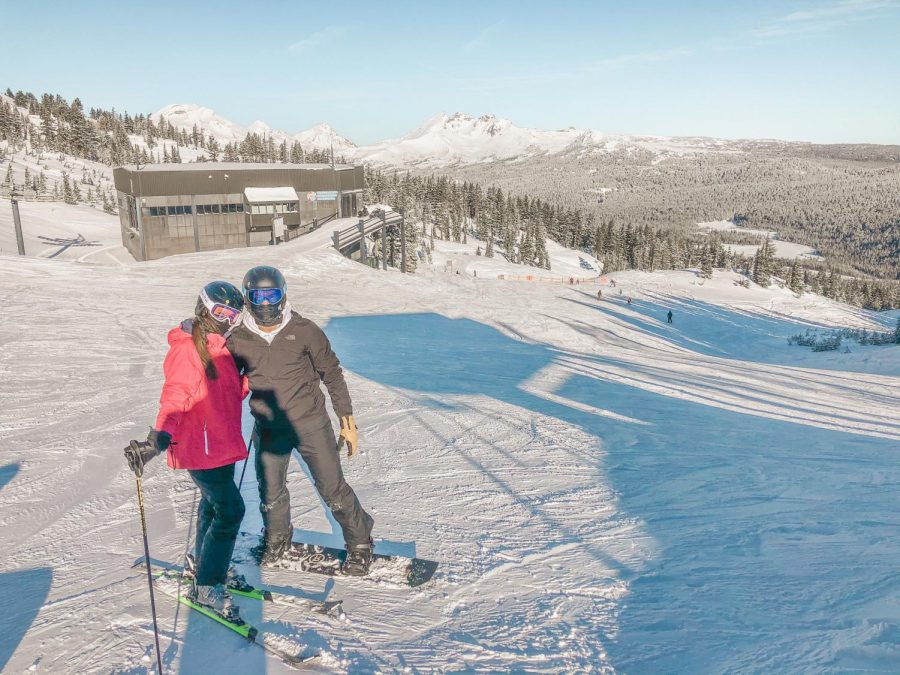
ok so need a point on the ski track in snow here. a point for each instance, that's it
(604, 492)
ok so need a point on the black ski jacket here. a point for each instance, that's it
(284, 376)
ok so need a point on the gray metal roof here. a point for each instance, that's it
(227, 166)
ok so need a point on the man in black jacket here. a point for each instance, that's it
(285, 357)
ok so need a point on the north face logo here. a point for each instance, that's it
(290, 337)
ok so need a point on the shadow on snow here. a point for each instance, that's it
(22, 593)
(759, 523)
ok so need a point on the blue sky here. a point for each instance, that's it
(823, 71)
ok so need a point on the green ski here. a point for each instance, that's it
(171, 583)
(326, 607)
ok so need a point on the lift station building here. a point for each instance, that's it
(165, 209)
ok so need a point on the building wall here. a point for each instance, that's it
(191, 207)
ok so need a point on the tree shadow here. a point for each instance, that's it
(759, 510)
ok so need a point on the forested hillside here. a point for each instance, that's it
(631, 209)
(844, 203)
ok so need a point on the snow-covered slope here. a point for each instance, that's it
(604, 491)
(783, 249)
(58, 230)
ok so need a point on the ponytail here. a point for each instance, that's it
(201, 328)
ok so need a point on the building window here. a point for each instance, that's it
(171, 210)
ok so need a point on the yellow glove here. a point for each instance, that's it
(349, 435)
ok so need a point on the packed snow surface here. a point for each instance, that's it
(604, 491)
(783, 249)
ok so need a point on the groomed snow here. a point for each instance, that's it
(605, 492)
(783, 249)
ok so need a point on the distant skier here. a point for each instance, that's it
(669, 317)
(629, 300)
(199, 423)
(599, 293)
(285, 357)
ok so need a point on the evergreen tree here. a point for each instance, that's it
(795, 280)
(68, 194)
(706, 263)
(762, 263)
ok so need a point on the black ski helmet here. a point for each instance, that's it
(223, 302)
(258, 280)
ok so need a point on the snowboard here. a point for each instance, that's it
(395, 569)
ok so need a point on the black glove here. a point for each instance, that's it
(138, 453)
(160, 439)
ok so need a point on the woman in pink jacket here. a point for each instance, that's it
(199, 423)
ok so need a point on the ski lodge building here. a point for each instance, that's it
(165, 209)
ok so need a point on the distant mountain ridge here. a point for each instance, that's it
(186, 115)
(461, 139)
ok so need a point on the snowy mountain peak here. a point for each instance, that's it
(323, 136)
(186, 115)
(259, 127)
(490, 125)
(461, 138)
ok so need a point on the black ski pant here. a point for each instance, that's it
(219, 516)
(319, 450)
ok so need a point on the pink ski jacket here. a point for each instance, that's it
(203, 416)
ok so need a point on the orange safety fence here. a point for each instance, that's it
(570, 281)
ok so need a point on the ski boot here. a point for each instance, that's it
(358, 560)
(216, 599)
(232, 578)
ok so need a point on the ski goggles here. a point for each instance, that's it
(222, 312)
(260, 296)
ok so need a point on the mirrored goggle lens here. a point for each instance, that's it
(226, 313)
(258, 296)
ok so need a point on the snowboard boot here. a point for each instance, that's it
(271, 552)
(358, 560)
(216, 599)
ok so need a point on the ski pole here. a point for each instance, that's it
(254, 440)
(140, 492)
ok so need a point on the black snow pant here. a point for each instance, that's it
(219, 516)
(318, 448)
